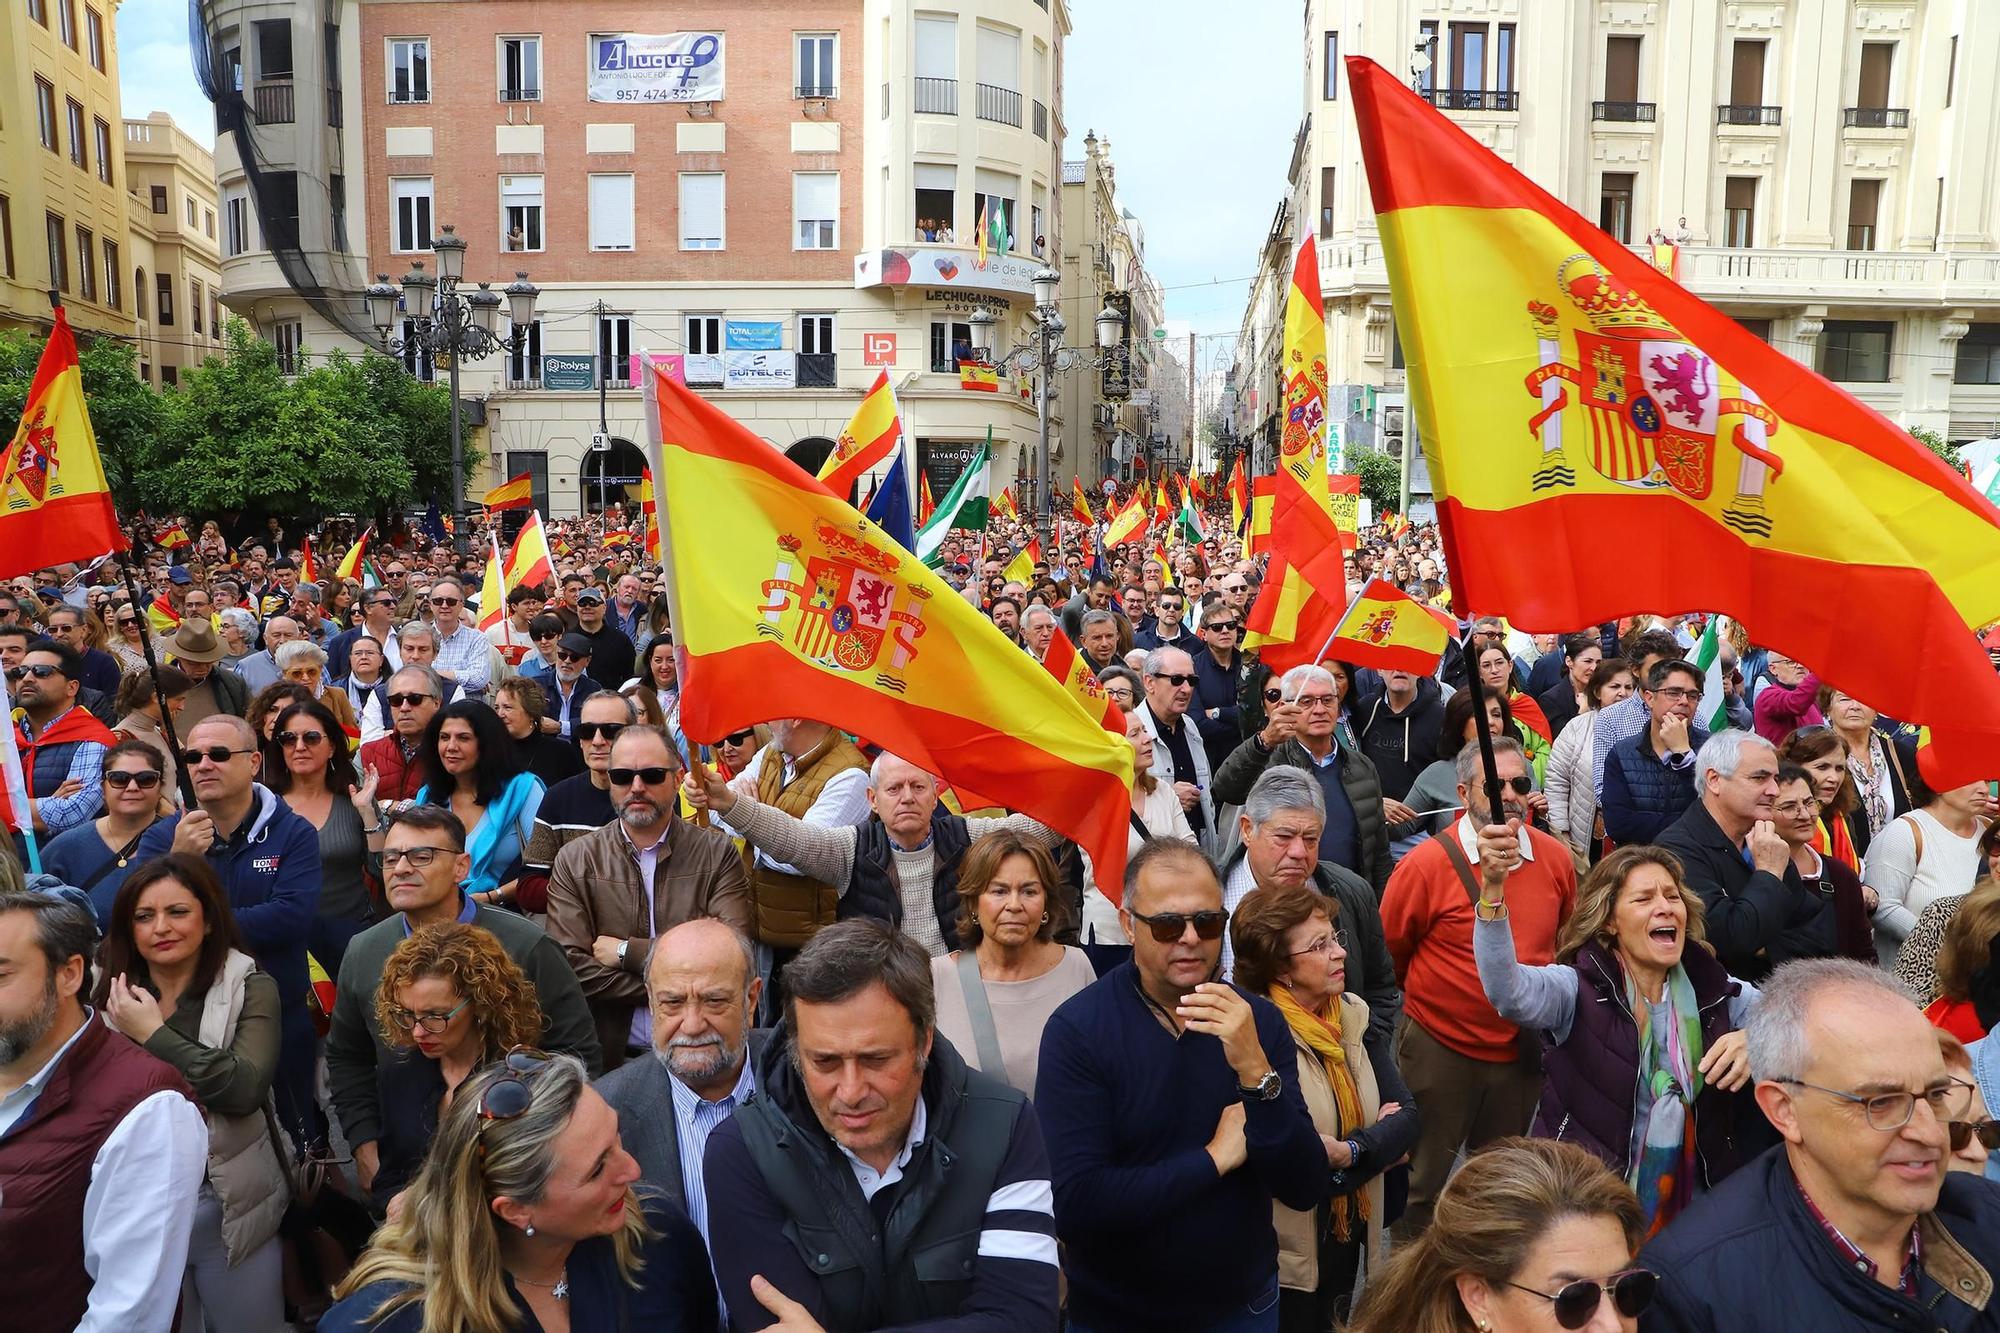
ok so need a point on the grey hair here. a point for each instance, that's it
(432, 680)
(1306, 674)
(240, 618)
(417, 629)
(1037, 610)
(611, 696)
(291, 654)
(1775, 1029)
(1096, 618)
(1279, 788)
(875, 769)
(63, 928)
(1471, 768)
(1722, 754)
(743, 943)
(1156, 660)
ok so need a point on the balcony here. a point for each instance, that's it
(816, 370)
(936, 97)
(271, 102)
(1000, 105)
(532, 382)
(1742, 113)
(1876, 118)
(813, 90)
(1475, 99)
(1041, 120)
(406, 96)
(1636, 113)
(520, 93)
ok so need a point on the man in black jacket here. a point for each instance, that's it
(1398, 730)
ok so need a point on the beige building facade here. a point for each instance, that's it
(173, 213)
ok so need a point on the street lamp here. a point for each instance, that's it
(447, 323)
(1045, 354)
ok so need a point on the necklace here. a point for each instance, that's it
(558, 1288)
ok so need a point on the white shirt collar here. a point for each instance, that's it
(1468, 838)
(873, 1182)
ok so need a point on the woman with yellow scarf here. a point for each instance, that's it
(1289, 948)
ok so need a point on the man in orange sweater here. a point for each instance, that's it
(1460, 1058)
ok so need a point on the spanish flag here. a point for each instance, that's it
(977, 378)
(1004, 506)
(1576, 393)
(649, 512)
(1389, 630)
(1067, 666)
(350, 564)
(174, 538)
(493, 589)
(1021, 569)
(55, 505)
(779, 590)
(308, 567)
(1129, 523)
(1159, 553)
(1239, 497)
(529, 563)
(514, 493)
(925, 505)
(868, 439)
(1079, 503)
(1163, 506)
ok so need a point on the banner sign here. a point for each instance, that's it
(949, 266)
(702, 368)
(569, 372)
(656, 67)
(759, 370)
(741, 335)
(878, 349)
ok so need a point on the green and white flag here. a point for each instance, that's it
(1713, 714)
(963, 507)
(1187, 520)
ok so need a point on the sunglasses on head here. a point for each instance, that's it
(142, 779)
(590, 731)
(1963, 1132)
(652, 777)
(1168, 927)
(509, 1096)
(739, 737)
(1630, 1291)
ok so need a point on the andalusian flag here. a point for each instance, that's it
(529, 563)
(649, 513)
(1574, 392)
(350, 564)
(964, 506)
(868, 438)
(514, 493)
(1389, 630)
(493, 590)
(1712, 715)
(1344, 493)
(1079, 503)
(1189, 521)
(55, 505)
(1239, 497)
(779, 590)
(1021, 569)
(1068, 666)
(1129, 523)
(174, 538)
(976, 378)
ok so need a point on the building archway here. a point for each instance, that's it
(810, 452)
(610, 476)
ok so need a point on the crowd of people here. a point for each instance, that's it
(363, 967)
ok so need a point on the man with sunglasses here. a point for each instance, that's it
(577, 805)
(61, 744)
(1853, 1222)
(413, 698)
(1180, 759)
(423, 864)
(1476, 1075)
(1167, 629)
(568, 683)
(1219, 671)
(463, 654)
(1171, 1106)
(611, 652)
(1649, 778)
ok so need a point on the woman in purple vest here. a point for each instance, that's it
(1643, 1058)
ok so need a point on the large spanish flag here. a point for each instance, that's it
(513, 493)
(1239, 497)
(868, 439)
(649, 513)
(1129, 523)
(780, 590)
(1389, 630)
(1564, 387)
(55, 505)
(528, 560)
(1263, 495)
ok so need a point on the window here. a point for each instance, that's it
(815, 210)
(208, 223)
(1468, 57)
(139, 292)
(1739, 212)
(1856, 351)
(409, 69)
(1877, 59)
(1864, 201)
(280, 219)
(86, 264)
(1503, 58)
(817, 365)
(614, 350)
(58, 253)
(336, 205)
(409, 214)
(816, 66)
(170, 376)
(520, 69)
(38, 10)
(951, 342)
(936, 91)
(1326, 182)
(1427, 37)
(187, 202)
(79, 151)
(163, 291)
(416, 358)
(159, 197)
(1621, 69)
(274, 49)
(999, 91)
(534, 462)
(702, 335)
(330, 59)
(146, 372)
(66, 22)
(1951, 70)
(524, 357)
(194, 304)
(45, 111)
(611, 198)
(937, 200)
(1759, 329)
(1614, 206)
(1979, 355)
(993, 205)
(6, 238)
(701, 210)
(1330, 77)
(114, 296)
(1038, 237)
(214, 314)
(521, 212)
(288, 336)
(102, 133)
(1746, 73)
(93, 31)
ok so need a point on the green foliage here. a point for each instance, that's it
(124, 413)
(1381, 476)
(1936, 443)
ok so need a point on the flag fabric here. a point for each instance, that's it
(1068, 666)
(493, 590)
(1239, 497)
(649, 513)
(434, 526)
(529, 563)
(1159, 553)
(1163, 506)
(1713, 713)
(925, 505)
(890, 507)
(1021, 569)
(1079, 503)
(964, 506)
(55, 504)
(174, 538)
(780, 590)
(514, 493)
(1667, 259)
(1003, 506)
(1263, 496)
(308, 567)
(161, 617)
(1129, 523)
(350, 564)
(1387, 629)
(1344, 492)
(869, 436)
(1576, 393)
(1189, 521)
(976, 378)
(618, 537)
(979, 258)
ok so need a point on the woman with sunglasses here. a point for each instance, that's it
(523, 1216)
(311, 769)
(139, 716)
(176, 979)
(270, 701)
(451, 999)
(1289, 949)
(97, 856)
(125, 644)
(735, 751)
(1973, 1140)
(544, 630)
(304, 663)
(1644, 1061)
(1513, 1229)
(477, 774)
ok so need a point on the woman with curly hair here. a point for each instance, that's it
(450, 1001)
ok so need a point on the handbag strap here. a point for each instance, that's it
(985, 1039)
(1456, 855)
(118, 858)
(1139, 827)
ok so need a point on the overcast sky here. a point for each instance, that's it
(1199, 108)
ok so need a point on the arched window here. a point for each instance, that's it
(139, 293)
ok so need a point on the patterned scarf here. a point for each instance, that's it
(1321, 1034)
(1873, 784)
(1663, 1169)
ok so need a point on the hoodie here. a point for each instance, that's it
(1404, 744)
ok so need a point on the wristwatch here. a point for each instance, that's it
(1265, 1089)
(623, 945)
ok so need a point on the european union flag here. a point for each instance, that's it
(890, 506)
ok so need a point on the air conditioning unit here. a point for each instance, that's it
(1392, 420)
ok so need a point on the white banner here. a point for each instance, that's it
(656, 67)
(759, 370)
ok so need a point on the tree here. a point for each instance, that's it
(1381, 476)
(124, 413)
(1936, 443)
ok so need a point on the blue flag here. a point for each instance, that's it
(889, 508)
(434, 522)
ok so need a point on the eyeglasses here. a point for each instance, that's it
(1222, 626)
(1170, 926)
(121, 778)
(509, 1096)
(1963, 1132)
(288, 739)
(652, 777)
(1630, 1292)
(403, 1020)
(39, 670)
(408, 700)
(1173, 679)
(590, 731)
(444, 601)
(564, 655)
(1808, 806)
(1889, 1111)
(1122, 697)
(1313, 703)
(1324, 944)
(739, 737)
(1675, 694)
(215, 754)
(418, 857)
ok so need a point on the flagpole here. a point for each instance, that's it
(153, 669)
(1496, 813)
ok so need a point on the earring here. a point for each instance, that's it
(1045, 918)
(1484, 1326)
(530, 1230)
